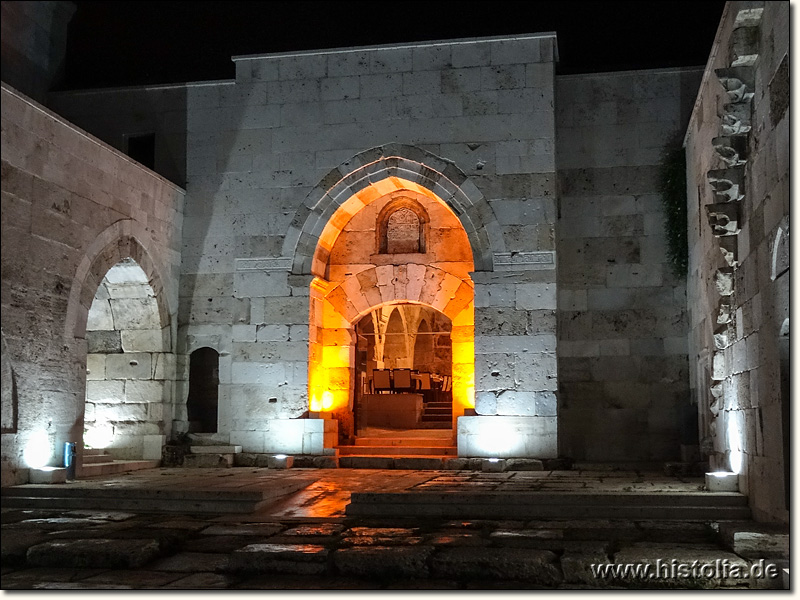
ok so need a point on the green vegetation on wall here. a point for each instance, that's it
(672, 186)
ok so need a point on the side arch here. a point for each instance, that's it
(117, 242)
(382, 170)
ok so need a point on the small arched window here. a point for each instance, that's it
(401, 227)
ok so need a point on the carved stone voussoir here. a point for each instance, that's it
(724, 218)
(732, 149)
(723, 281)
(738, 82)
(729, 246)
(728, 184)
(737, 118)
(724, 311)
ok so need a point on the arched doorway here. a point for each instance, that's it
(403, 370)
(127, 380)
(401, 259)
(202, 403)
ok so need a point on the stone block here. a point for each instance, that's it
(152, 446)
(523, 464)
(105, 391)
(280, 461)
(756, 540)
(129, 366)
(142, 340)
(208, 461)
(507, 437)
(509, 564)
(383, 562)
(722, 482)
(104, 342)
(120, 412)
(300, 559)
(250, 441)
(48, 475)
(95, 553)
(95, 367)
(418, 463)
(141, 391)
(535, 296)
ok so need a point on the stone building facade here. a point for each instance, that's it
(322, 190)
(737, 147)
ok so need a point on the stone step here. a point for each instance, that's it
(434, 450)
(436, 418)
(215, 449)
(700, 506)
(112, 467)
(171, 500)
(438, 411)
(92, 459)
(416, 462)
(417, 441)
(94, 452)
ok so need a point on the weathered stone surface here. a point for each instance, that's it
(576, 567)
(192, 562)
(94, 553)
(523, 464)
(254, 529)
(537, 566)
(14, 544)
(304, 559)
(378, 562)
(756, 540)
(207, 461)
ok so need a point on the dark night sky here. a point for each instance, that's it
(133, 43)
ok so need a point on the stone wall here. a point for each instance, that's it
(129, 367)
(622, 323)
(72, 208)
(33, 44)
(738, 140)
(116, 114)
(474, 119)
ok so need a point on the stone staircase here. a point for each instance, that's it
(437, 415)
(210, 451)
(420, 449)
(98, 462)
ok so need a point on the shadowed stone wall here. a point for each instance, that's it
(72, 209)
(738, 140)
(622, 312)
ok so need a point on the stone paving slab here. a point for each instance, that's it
(305, 542)
(301, 559)
(202, 581)
(190, 562)
(538, 566)
(93, 553)
(384, 562)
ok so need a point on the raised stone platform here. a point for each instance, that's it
(176, 490)
(537, 495)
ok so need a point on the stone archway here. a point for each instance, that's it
(355, 272)
(117, 244)
(374, 173)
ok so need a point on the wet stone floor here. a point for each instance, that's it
(306, 541)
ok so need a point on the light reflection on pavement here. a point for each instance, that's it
(330, 494)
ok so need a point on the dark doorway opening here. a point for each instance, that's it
(203, 400)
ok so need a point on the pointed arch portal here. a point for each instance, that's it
(339, 243)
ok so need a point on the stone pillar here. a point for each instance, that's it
(515, 360)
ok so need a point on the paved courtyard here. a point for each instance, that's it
(307, 540)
